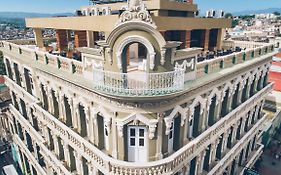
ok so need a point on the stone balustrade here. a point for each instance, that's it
(227, 61)
(235, 151)
(139, 84)
(57, 62)
(257, 154)
(46, 153)
(242, 44)
(173, 163)
(31, 158)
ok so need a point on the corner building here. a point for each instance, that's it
(143, 99)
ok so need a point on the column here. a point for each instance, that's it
(70, 102)
(24, 165)
(38, 37)
(66, 152)
(229, 102)
(185, 38)
(14, 72)
(88, 124)
(234, 132)
(34, 144)
(50, 100)
(204, 116)
(56, 144)
(248, 89)
(30, 118)
(159, 141)
(206, 38)
(80, 39)
(76, 124)
(90, 39)
(22, 75)
(114, 137)
(62, 43)
(60, 97)
(239, 100)
(95, 128)
(224, 141)
(256, 80)
(220, 39)
(19, 103)
(218, 110)
(214, 150)
(242, 127)
(91, 126)
(78, 161)
(201, 162)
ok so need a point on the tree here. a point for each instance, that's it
(276, 13)
(228, 15)
(2, 65)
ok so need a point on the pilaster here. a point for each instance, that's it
(159, 154)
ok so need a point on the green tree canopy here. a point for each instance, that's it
(276, 13)
(228, 15)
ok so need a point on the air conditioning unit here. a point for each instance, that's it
(106, 11)
(95, 11)
(85, 12)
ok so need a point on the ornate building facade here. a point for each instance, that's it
(139, 102)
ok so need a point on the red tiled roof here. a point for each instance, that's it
(276, 63)
(278, 55)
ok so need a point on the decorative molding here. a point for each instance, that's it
(136, 12)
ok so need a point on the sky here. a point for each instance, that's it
(58, 6)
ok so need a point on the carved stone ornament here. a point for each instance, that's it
(136, 12)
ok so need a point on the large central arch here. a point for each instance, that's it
(136, 39)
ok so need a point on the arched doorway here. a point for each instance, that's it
(135, 54)
(134, 58)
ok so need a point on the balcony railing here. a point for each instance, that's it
(173, 163)
(254, 50)
(139, 84)
(235, 151)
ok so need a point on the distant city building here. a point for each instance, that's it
(137, 88)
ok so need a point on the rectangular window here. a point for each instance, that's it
(141, 132)
(141, 142)
(132, 132)
(132, 142)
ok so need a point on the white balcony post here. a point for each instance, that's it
(214, 147)
(19, 103)
(201, 160)
(56, 144)
(114, 137)
(91, 126)
(73, 117)
(66, 152)
(234, 132)
(61, 106)
(50, 100)
(159, 154)
(78, 161)
(76, 124)
(88, 124)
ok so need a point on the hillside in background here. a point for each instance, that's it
(22, 15)
(249, 12)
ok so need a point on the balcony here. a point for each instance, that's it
(140, 83)
(109, 165)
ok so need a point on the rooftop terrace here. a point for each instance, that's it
(143, 85)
